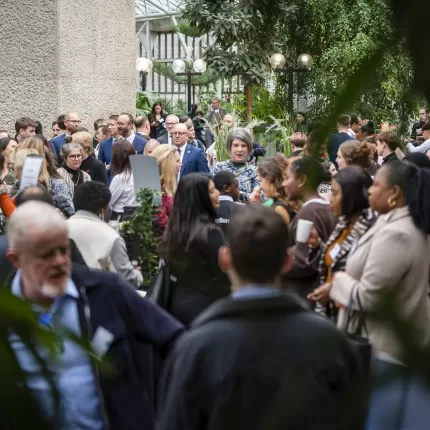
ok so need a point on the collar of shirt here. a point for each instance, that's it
(225, 199)
(182, 150)
(351, 133)
(131, 137)
(71, 291)
(255, 292)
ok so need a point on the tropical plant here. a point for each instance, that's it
(339, 36)
(140, 228)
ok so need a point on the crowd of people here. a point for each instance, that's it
(270, 271)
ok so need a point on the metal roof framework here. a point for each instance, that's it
(151, 10)
(147, 10)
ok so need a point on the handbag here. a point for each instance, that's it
(161, 292)
(361, 344)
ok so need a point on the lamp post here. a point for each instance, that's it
(179, 67)
(143, 65)
(304, 64)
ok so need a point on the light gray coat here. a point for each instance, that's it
(392, 256)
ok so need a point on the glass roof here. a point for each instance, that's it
(156, 8)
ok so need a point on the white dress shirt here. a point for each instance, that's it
(181, 151)
(423, 148)
(351, 133)
(131, 137)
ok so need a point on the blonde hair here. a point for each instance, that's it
(19, 161)
(84, 139)
(48, 164)
(166, 165)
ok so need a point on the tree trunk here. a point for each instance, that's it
(249, 103)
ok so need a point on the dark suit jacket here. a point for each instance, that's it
(139, 143)
(263, 374)
(56, 145)
(105, 155)
(224, 212)
(164, 139)
(194, 161)
(216, 118)
(106, 301)
(105, 151)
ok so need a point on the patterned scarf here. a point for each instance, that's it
(366, 219)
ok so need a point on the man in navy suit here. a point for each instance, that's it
(71, 120)
(105, 150)
(193, 159)
(125, 126)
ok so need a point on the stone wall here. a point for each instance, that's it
(60, 55)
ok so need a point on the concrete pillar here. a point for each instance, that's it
(62, 55)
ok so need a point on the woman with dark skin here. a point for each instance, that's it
(390, 268)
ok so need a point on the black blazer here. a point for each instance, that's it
(264, 363)
(137, 325)
(199, 281)
(224, 212)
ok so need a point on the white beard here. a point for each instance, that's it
(51, 291)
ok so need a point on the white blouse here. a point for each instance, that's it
(122, 192)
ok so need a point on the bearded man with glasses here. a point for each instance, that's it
(71, 121)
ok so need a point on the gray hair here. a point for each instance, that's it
(44, 218)
(172, 117)
(67, 148)
(241, 134)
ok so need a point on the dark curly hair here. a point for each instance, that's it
(91, 196)
(311, 168)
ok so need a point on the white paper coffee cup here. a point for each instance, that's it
(304, 228)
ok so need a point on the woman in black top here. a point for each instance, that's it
(190, 248)
(95, 168)
(156, 117)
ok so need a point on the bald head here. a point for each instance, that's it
(228, 121)
(33, 219)
(71, 120)
(34, 193)
(39, 247)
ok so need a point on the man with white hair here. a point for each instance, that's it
(99, 308)
(171, 121)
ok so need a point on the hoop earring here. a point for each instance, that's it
(391, 202)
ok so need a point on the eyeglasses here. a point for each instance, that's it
(171, 123)
(74, 121)
(179, 133)
(75, 156)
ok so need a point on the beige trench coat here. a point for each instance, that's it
(392, 256)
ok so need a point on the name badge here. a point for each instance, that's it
(102, 340)
(335, 251)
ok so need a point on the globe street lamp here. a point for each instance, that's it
(179, 67)
(143, 65)
(304, 64)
